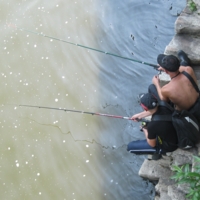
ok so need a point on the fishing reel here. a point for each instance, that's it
(144, 124)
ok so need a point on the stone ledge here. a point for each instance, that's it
(161, 171)
(163, 196)
(175, 194)
(187, 35)
(163, 184)
(181, 157)
(188, 22)
(188, 43)
(153, 170)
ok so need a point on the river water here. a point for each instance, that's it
(51, 154)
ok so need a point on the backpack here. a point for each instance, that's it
(186, 125)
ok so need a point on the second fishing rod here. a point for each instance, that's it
(86, 112)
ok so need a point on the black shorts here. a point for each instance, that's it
(195, 109)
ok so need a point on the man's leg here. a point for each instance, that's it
(152, 90)
(140, 147)
(195, 110)
(183, 58)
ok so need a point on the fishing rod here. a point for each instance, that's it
(111, 54)
(78, 111)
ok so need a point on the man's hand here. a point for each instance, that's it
(136, 117)
(160, 68)
(156, 80)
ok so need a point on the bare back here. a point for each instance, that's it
(180, 91)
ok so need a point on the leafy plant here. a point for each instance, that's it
(192, 5)
(185, 174)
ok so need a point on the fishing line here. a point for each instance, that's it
(86, 47)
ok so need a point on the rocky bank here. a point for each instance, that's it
(186, 38)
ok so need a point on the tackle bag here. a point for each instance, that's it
(187, 129)
(186, 125)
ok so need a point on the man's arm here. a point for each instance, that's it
(161, 91)
(141, 115)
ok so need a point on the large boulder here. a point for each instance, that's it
(175, 194)
(188, 21)
(188, 43)
(187, 35)
(154, 170)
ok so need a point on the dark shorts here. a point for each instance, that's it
(152, 90)
(195, 109)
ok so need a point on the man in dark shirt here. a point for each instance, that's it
(160, 135)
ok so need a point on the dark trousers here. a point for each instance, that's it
(140, 147)
(152, 89)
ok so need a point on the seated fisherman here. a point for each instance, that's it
(160, 135)
(179, 90)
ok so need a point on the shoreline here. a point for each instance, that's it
(186, 38)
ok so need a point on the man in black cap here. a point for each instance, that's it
(160, 136)
(179, 90)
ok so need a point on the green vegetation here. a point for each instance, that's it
(192, 5)
(191, 177)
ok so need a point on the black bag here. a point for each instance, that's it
(187, 129)
(186, 125)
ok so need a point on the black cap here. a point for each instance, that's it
(148, 101)
(170, 62)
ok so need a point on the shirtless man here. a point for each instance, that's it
(179, 90)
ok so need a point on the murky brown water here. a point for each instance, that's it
(50, 154)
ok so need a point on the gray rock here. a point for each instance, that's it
(175, 194)
(188, 43)
(187, 35)
(152, 170)
(188, 21)
(181, 157)
(197, 2)
(198, 149)
(163, 184)
(165, 196)
(188, 24)
(157, 197)
(165, 162)
(184, 188)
